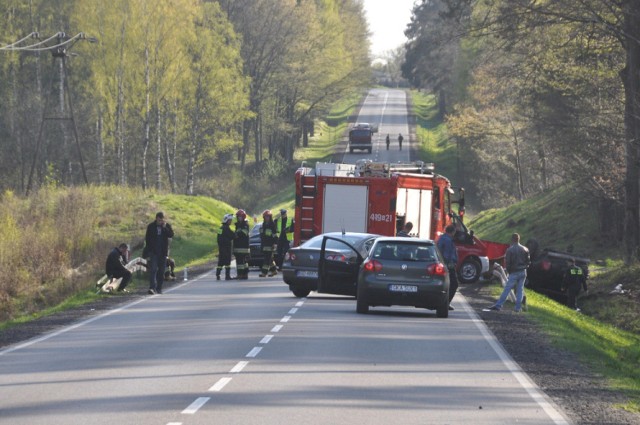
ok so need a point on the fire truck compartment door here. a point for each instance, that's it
(415, 205)
(345, 208)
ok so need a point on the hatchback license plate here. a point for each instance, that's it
(307, 273)
(403, 288)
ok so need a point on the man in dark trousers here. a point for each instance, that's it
(285, 234)
(400, 139)
(159, 232)
(225, 245)
(115, 266)
(450, 254)
(388, 141)
(241, 245)
(574, 279)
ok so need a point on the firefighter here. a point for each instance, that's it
(225, 246)
(388, 140)
(285, 236)
(241, 245)
(574, 279)
(400, 139)
(268, 240)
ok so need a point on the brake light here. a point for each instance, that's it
(373, 266)
(336, 257)
(437, 269)
(546, 265)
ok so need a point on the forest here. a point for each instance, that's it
(183, 96)
(537, 95)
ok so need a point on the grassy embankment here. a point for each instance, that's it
(55, 242)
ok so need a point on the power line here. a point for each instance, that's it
(41, 46)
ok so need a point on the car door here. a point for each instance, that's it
(338, 277)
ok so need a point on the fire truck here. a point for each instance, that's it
(380, 198)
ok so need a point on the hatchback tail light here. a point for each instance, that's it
(373, 266)
(336, 257)
(437, 269)
(546, 265)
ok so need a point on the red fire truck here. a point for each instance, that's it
(379, 198)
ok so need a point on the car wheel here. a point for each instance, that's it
(443, 311)
(362, 306)
(300, 293)
(469, 271)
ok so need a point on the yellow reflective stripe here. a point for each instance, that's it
(241, 250)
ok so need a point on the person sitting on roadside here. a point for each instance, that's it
(115, 266)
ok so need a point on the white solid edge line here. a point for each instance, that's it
(90, 320)
(174, 423)
(196, 405)
(218, 386)
(530, 387)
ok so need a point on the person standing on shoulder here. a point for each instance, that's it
(450, 253)
(115, 266)
(388, 140)
(574, 279)
(159, 232)
(225, 246)
(268, 239)
(241, 245)
(285, 235)
(400, 139)
(517, 260)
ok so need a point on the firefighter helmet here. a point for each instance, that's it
(241, 214)
(227, 218)
(266, 213)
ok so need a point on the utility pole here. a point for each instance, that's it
(58, 45)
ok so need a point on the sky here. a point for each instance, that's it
(387, 22)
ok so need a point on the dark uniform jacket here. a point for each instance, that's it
(115, 263)
(575, 277)
(225, 236)
(268, 233)
(242, 235)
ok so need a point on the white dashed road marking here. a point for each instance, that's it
(193, 407)
(254, 352)
(285, 319)
(238, 368)
(220, 384)
(276, 329)
(266, 339)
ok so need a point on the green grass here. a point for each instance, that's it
(434, 144)
(607, 350)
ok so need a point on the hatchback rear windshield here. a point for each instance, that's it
(405, 252)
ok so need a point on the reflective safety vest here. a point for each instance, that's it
(286, 231)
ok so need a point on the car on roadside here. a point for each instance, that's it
(300, 264)
(396, 271)
(255, 249)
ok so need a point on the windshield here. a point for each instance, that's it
(360, 133)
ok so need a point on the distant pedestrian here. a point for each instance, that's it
(574, 279)
(400, 139)
(225, 245)
(388, 140)
(448, 250)
(115, 266)
(517, 260)
(157, 240)
(406, 230)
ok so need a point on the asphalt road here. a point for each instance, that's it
(388, 110)
(248, 352)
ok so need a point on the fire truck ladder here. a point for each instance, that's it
(309, 190)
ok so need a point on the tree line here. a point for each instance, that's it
(173, 93)
(536, 94)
